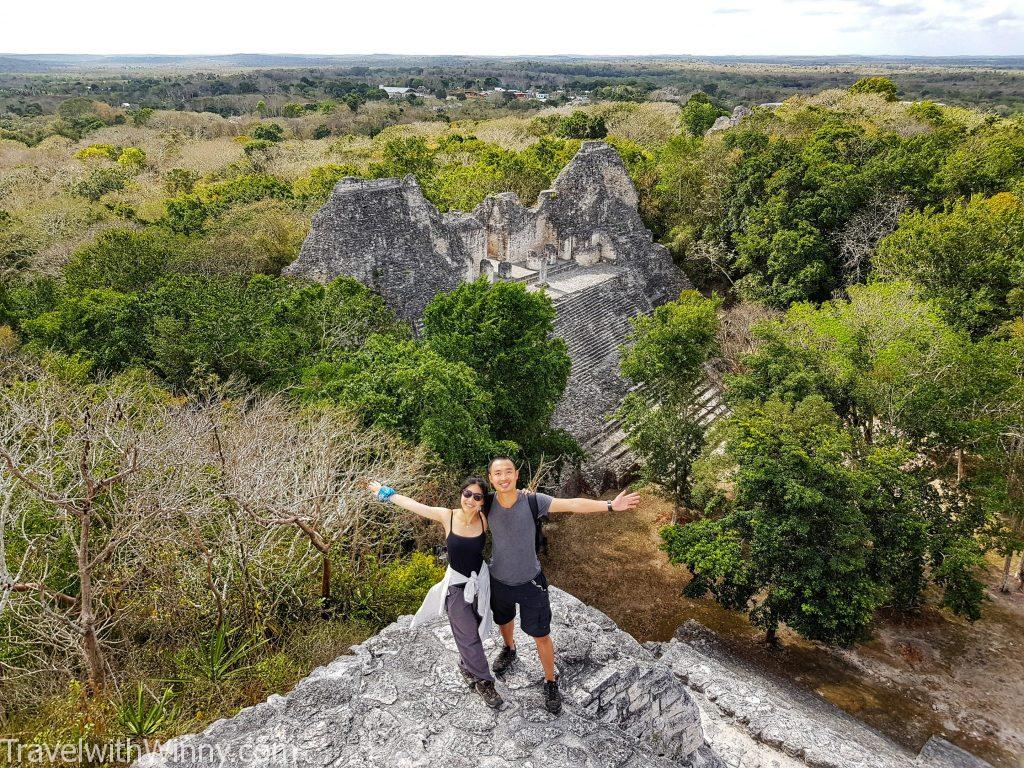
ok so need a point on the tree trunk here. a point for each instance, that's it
(959, 464)
(1020, 575)
(325, 579)
(86, 613)
(1004, 585)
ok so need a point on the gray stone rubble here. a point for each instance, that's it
(744, 712)
(400, 701)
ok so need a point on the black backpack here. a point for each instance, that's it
(540, 541)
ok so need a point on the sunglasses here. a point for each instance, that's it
(468, 494)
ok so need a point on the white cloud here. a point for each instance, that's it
(526, 27)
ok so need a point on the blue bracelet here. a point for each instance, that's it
(385, 493)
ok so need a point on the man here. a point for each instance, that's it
(516, 575)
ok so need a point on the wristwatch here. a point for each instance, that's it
(609, 506)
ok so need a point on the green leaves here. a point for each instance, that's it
(665, 356)
(146, 715)
(845, 418)
(670, 346)
(408, 387)
(699, 114)
(504, 334)
(969, 259)
(797, 545)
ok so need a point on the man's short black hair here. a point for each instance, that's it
(500, 458)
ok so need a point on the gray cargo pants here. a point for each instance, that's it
(464, 620)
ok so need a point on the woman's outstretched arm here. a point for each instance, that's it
(440, 514)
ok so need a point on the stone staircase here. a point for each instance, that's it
(594, 322)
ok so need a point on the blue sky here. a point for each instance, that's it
(521, 27)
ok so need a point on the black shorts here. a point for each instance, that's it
(533, 601)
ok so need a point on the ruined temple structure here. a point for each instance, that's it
(583, 242)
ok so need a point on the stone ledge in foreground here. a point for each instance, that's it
(399, 701)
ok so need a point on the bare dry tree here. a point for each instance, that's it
(87, 460)
(305, 470)
(864, 230)
(735, 335)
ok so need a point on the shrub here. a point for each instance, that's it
(132, 158)
(105, 151)
(580, 125)
(123, 260)
(180, 181)
(100, 181)
(267, 132)
(883, 86)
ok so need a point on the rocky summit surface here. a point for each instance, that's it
(400, 701)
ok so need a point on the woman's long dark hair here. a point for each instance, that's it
(484, 487)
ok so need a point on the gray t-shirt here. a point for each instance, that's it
(513, 539)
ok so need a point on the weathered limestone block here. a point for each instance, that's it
(742, 708)
(400, 702)
(387, 235)
(725, 122)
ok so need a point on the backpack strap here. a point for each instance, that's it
(540, 540)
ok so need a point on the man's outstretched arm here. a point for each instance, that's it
(623, 502)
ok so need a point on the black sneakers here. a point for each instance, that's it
(552, 697)
(490, 696)
(505, 660)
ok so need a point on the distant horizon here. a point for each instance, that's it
(393, 54)
(719, 28)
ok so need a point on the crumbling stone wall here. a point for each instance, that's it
(388, 235)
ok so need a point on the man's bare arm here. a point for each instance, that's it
(623, 502)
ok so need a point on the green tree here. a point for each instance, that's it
(969, 259)
(104, 326)
(504, 334)
(795, 547)
(267, 132)
(124, 260)
(316, 185)
(580, 125)
(699, 114)
(411, 389)
(883, 86)
(665, 356)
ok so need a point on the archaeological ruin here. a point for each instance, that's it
(583, 242)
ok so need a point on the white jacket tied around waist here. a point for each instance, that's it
(477, 590)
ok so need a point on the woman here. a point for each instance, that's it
(464, 592)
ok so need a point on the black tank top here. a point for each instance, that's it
(465, 553)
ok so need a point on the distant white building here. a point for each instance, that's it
(395, 92)
(542, 96)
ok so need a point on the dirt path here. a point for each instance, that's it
(932, 674)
